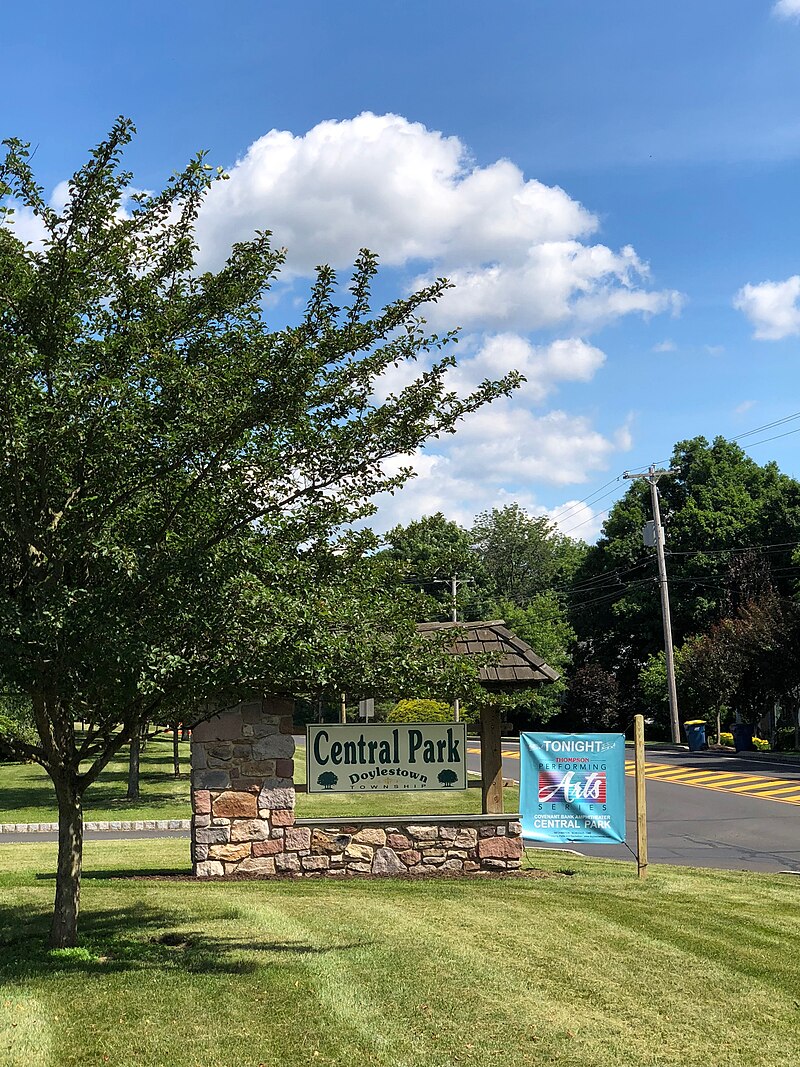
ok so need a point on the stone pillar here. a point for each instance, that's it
(242, 788)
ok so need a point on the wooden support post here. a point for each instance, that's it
(491, 762)
(641, 798)
(343, 709)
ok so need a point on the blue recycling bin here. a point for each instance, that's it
(743, 737)
(696, 734)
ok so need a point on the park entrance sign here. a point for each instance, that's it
(392, 757)
(572, 787)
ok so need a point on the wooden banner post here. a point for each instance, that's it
(641, 797)
(491, 762)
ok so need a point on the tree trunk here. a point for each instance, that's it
(64, 930)
(133, 764)
(176, 754)
(719, 727)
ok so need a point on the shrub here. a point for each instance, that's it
(759, 743)
(786, 738)
(420, 711)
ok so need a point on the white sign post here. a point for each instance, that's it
(390, 757)
(366, 708)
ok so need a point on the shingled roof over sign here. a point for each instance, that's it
(517, 664)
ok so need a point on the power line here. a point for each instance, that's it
(589, 499)
(777, 437)
(721, 551)
(615, 592)
(598, 515)
(767, 426)
(600, 579)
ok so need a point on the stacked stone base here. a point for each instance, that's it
(336, 847)
(244, 824)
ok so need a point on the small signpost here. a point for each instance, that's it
(392, 757)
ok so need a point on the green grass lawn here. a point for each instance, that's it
(26, 794)
(586, 969)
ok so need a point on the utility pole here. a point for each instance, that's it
(455, 581)
(652, 477)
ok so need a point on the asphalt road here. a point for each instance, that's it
(703, 825)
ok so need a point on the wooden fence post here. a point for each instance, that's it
(641, 797)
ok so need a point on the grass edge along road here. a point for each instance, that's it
(586, 968)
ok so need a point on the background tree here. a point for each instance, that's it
(431, 551)
(544, 625)
(174, 473)
(523, 556)
(420, 709)
(592, 700)
(718, 504)
(698, 696)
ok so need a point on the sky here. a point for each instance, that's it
(612, 186)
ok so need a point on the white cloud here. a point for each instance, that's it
(664, 346)
(522, 257)
(28, 227)
(772, 308)
(787, 9)
(714, 350)
(504, 454)
(744, 407)
(543, 366)
(577, 519)
(386, 183)
(559, 282)
(514, 246)
(509, 445)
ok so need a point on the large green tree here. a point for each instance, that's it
(544, 625)
(522, 555)
(174, 472)
(717, 505)
(432, 551)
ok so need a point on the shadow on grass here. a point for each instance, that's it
(99, 874)
(140, 938)
(25, 786)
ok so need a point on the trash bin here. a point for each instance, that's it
(743, 737)
(696, 734)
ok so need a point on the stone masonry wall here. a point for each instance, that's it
(243, 820)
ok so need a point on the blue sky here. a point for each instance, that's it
(613, 185)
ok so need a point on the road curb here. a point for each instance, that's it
(139, 824)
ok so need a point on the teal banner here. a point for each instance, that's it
(572, 787)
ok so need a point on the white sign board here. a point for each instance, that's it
(391, 757)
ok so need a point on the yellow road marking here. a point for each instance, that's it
(778, 790)
(794, 788)
(506, 755)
